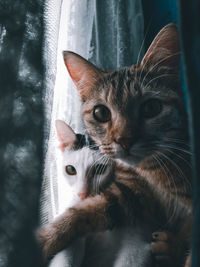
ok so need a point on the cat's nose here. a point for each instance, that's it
(125, 142)
(82, 195)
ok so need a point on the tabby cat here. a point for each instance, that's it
(137, 117)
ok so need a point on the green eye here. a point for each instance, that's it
(151, 108)
(101, 113)
(70, 170)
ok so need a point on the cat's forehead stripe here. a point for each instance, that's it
(125, 79)
(119, 86)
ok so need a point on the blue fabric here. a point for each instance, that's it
(190, 40)
(158, 13)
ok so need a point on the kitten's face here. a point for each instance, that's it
(85, 170)
(135, 112)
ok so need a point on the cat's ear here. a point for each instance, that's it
(66, 135)
(84, 74)
(165, 49)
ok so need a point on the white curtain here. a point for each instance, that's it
(107, 32)
(68, 27)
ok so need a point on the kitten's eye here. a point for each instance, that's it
(101, 113)
(70, 170)
(100, 169)
(151, 108)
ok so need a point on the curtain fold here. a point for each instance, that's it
(118, 32)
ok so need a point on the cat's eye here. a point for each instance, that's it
(151, 108)
(99, 169)
(70, 170)
(101, 113)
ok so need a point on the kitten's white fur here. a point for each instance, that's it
(81, 159)
(124, 247)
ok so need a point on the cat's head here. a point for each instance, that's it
(134, 112)
(85, 169)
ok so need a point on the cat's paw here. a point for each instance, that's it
(164, 249)
(45, 238)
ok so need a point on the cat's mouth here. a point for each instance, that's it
(131, 157)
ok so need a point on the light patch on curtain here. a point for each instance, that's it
(75, 31)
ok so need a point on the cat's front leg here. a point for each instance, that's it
(92, 214)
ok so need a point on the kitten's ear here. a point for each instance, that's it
(83, 73)
(66, 135)
(165, 49)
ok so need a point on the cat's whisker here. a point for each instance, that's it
(175, 205)
(142, 45)
(178, 169)
(171, 149)
(162, 166)
(170, 145)
(180, 172)
(175, 188)
(93, 164)
(156, 78)
(98, 178)
(165, 169)
(101, 160)
(175, 139)
(102, 169)
(176, 148)
(96, 181)
(156, 93)
(176, 154)
(104, 166)
(141, 72)
(178, 141)
(155, 65)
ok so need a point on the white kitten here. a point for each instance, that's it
(84, 168)
(86, 171)
(83, 172)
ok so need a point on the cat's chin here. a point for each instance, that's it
(124, 158)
